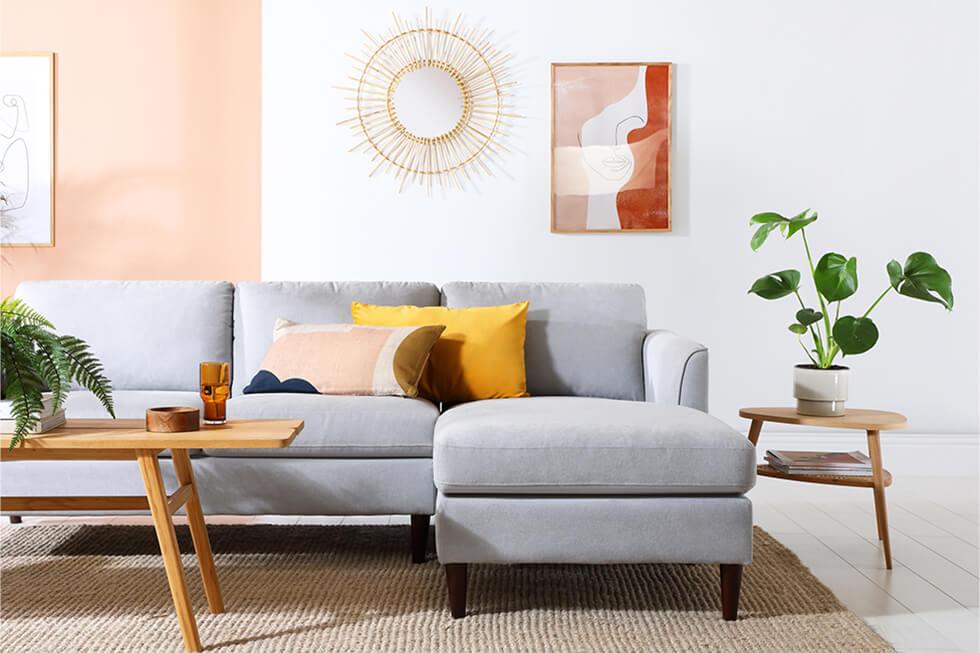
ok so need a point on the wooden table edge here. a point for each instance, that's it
(757, 413)
(131, 438)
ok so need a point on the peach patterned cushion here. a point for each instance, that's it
(345, 359)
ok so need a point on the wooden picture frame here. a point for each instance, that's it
(642, 201)
(26, 127)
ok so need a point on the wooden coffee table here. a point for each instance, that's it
(871, 421)
(128, 440)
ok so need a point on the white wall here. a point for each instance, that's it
(865, 111)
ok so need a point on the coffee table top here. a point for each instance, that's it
(132, 434)
(854, 418)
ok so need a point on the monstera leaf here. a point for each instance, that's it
(807, 316)
(769, 221)
(836, 276)
(922, 278)
(855, 335)
(798, 222)
(777, 284)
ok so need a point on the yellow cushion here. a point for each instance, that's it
(480, 355)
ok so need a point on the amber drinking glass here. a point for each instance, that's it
(214, 391)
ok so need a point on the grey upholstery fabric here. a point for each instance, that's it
(675, 370)
(248, 486)
(258, 304)
(593, 530)
(578, 445)
(582, 339)
(128, 404)
(149, 335)
(341, 426)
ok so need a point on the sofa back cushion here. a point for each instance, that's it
(259, 304)
(582, 340)
(149, 335)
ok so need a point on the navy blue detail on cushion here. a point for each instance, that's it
(266, 382)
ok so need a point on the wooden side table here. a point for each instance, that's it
(121, 439)
(872, 421)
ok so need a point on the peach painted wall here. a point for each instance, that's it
(157, 138)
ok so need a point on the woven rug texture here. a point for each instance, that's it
(353, 588)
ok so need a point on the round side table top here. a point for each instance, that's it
(853, 418)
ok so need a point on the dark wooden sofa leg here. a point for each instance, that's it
(15, 519)
(420, 537)
(456, 584)
(731, 584)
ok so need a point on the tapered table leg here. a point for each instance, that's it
(754, 430)
(199, 531)
(156, 495)
(881, 513)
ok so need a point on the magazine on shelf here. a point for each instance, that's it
(840, 463)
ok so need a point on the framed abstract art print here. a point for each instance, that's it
(27, 149)
(610, 147)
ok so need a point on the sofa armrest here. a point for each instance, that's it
(675, 370)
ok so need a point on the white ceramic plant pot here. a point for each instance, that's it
(820, 392)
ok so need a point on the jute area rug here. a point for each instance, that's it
(353, 588)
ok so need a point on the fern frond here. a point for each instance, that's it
(49, 362)
(13, 309)
(85, 368)
(14, 340)
(24, 388)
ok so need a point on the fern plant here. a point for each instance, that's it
(34, 359)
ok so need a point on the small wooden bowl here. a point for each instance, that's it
(173, 419)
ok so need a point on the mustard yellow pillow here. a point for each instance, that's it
(480, 355)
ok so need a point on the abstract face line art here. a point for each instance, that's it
(611, 147)
(27, 149)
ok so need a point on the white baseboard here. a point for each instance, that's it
(918, 454)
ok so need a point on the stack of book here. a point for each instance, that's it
(825, 463)
(49, 419)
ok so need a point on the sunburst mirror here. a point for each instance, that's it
(431, 101)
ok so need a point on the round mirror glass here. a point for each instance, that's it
(428, 102)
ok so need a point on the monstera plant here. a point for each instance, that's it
(35, 360)
(824, 334)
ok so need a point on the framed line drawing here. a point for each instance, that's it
(27, 149)
(610, 147)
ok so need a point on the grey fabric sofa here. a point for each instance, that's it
(611, 459)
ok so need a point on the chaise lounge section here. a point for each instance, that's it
(611, 459)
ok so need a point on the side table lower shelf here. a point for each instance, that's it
(870, 421)
(826, 479)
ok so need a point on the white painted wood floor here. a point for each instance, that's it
(928, 602)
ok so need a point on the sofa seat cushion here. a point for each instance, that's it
(587, 446)
(341, 426)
